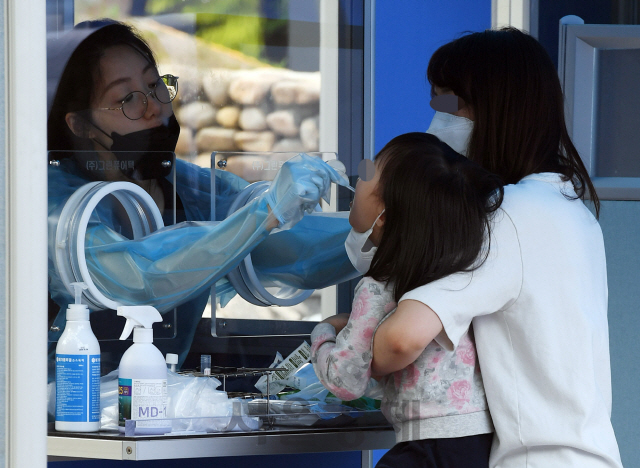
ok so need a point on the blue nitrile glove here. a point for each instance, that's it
(298, 187)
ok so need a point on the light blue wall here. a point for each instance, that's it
(407, 34)
(620, 221)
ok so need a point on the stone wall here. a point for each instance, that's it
(263, 109)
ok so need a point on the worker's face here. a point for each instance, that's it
(367, 205)
(122, 70)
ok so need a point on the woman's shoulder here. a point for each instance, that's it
(544, 196)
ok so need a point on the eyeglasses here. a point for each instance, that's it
(135, 103)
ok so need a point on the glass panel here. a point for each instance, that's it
(253, 76)
(617, 141)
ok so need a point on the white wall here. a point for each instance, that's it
(23, 269)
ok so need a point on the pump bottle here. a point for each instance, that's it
(78, 371)
(142, 375)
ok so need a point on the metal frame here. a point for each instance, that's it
(579, 57)
(26, 247)
(521, 14)
(115, 447)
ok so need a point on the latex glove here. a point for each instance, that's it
(298, 187)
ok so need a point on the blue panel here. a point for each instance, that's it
(307, 460)
(407, 34)
(377, 455)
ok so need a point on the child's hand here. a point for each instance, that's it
(339, 321)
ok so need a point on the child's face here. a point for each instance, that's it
(367, 206)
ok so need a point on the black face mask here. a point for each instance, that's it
(142, 155)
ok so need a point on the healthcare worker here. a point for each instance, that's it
(538, 303)
(111, 119)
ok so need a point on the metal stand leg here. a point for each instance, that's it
(367, 459)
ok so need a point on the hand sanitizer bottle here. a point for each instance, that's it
(142, 375)
(78, 371)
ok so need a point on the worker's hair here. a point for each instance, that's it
(512, 89)
(438, 206)
(81, 76)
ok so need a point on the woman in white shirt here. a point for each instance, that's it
(539, 302)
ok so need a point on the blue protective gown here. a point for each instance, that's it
(176, 266)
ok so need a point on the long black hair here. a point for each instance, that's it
(438, 207)
(512, 88)
(82, 74)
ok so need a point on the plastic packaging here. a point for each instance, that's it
(302, 378)
(77, 372)
(195, 405)
(277, 380)
(142, 375)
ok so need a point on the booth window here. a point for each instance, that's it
(255, 76)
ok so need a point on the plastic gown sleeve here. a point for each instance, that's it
(176, 263)
(193, 185)
(311, 255)
(343, 362)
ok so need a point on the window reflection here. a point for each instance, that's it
(250, 81)
(244, 85)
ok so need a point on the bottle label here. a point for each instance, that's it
(78, 387)
(143, 400)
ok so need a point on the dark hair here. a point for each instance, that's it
(81, 76)
(513, 90)
(437, 212)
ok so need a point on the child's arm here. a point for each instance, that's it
(403, 337)
(343, 362)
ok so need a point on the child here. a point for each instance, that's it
(426, 211)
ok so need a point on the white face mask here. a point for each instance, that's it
(453, 130)
(356, 241)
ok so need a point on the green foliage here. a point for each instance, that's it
(236, 24)
(241, 33)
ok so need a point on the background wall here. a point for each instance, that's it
(406, 35)
(621, 230)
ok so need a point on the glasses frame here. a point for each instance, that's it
(170, 81)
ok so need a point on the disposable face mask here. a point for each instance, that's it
(141, 153)
(453, 130)
(355, 243)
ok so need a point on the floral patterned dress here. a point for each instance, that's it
(439, 395)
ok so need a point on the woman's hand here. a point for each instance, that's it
(339, 321)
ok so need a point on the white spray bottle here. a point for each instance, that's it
(142, 375)
(78, 371)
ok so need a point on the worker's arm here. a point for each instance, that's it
(401, 338)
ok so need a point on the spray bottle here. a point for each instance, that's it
(78, 371)
(142, 375)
